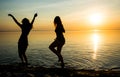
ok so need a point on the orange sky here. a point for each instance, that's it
(74, 13)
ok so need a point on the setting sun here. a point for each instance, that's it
(96, 18)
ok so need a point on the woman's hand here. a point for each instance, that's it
(35, 15)
(10, 15)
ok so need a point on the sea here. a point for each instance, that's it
(84, 49)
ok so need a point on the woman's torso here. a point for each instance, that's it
(24, 35)
(59, 35)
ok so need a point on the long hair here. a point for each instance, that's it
(58, 23)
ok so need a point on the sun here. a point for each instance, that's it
(96, 18)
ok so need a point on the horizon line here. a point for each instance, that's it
(53, 30)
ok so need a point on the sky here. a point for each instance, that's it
(75, 14)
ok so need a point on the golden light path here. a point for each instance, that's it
(96, 40)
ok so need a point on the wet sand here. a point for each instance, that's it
(39, 71)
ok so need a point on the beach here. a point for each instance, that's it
(83, 35)
(19, 70)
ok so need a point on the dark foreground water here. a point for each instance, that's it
(83, 49)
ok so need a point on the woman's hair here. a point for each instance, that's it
(58, 23)
(57, 20)
(25, 21)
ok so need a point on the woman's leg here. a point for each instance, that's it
(20, 53)
(56, 51)
(25, 58)
(52, 47)
(59, 48)
(24, 55)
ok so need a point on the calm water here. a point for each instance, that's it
(83, 49)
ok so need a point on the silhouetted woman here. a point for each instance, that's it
(26, 26)
(59, 41)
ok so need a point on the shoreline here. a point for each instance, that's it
(39, 71)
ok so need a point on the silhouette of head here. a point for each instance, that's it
(25, 21)
(57, 20)
(58, 23)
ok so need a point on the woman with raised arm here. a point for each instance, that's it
(59, 41)
(26, 27)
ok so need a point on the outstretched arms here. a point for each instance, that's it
(14, 19)
(35, 15)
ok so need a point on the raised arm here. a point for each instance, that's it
(15, 20)
(35, 15)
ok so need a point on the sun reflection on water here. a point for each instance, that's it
(96, 40)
